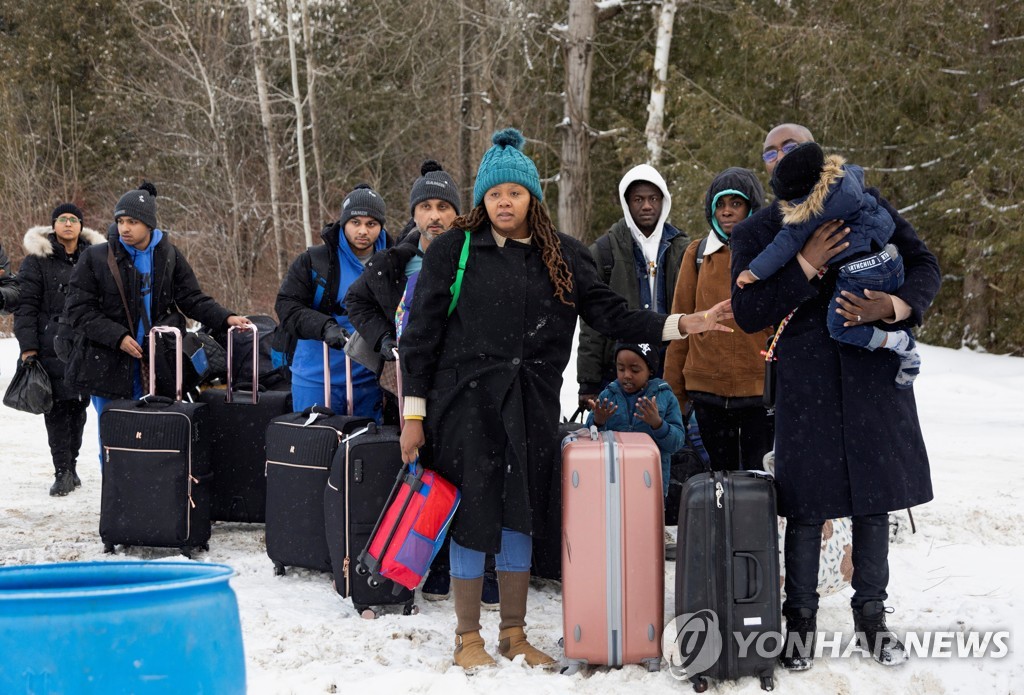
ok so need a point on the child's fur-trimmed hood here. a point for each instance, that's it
(814, 204)
(37, 240)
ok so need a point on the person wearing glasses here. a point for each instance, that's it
(813, 189)
(45, 274)
(847, 442)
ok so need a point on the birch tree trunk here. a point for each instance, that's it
(300, 128)
(314, 127)
(269, 138)
(574, 177)
(655, 130)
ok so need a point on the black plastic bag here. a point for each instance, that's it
(30, 390)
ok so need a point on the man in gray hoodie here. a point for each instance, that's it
(639, 258)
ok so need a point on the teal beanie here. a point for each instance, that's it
(506, 163)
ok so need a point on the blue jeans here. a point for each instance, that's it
(516, 555)
(881, 272)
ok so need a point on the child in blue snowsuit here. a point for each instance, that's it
(637, 401)
(814, 189)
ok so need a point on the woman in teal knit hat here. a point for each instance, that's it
(482, 360)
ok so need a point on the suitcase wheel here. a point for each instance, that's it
(367, 612)
(571, 668)
(700, 684)
(410, 609)
(108, 548)
(767, 683)
(362, 570)
(653, 665)
(372, 581)
(278, 569)
(187, 551)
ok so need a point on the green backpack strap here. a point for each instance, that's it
(456, 287)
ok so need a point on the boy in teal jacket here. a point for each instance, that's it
(637, 401)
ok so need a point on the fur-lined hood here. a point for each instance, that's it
(38, 241)
(839, 189)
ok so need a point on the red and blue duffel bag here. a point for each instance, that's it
(411, 528)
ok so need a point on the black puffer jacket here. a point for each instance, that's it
(373, 298)
(8, 285)
(45, 276)
(97, 364)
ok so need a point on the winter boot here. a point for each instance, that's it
(801, 630)
(490, 598)
(469, 645)
(74, 474)
(513, 587)
(437, 586)
(873, 635)
(904, 345)
(63, 483)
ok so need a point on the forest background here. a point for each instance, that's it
(255, 117)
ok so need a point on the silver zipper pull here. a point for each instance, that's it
(719, 492)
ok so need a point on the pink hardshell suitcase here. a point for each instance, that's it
(613, 554)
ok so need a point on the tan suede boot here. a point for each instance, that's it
(470, 653)
(513, 587)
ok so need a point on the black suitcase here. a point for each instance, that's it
(156, 470)
(362, 474)
(300, 448)
(728, 563)
(238, 422)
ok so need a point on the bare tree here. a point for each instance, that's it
(655, 130)
(574, 180)
(300, 128)
(269, 137)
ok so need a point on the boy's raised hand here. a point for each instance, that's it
(603, 409)
(647, 410)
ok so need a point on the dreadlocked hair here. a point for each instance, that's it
(544, 236)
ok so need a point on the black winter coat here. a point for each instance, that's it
(373, 298)
(847, 442)
(45, 277)
(97, 364)
(8, 285)
(492, 373)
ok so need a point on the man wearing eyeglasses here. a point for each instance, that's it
(847, 441)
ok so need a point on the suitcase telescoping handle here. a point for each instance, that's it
(177, 359)
(348, 380)
(255, 361)
(398, 387)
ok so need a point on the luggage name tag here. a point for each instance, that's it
(311, 419)
(355, 434)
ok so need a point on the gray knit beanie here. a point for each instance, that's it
(139, 204)
(434, 183)
(363, 201)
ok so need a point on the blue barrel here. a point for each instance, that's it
(120, 627)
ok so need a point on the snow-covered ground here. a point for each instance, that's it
(961, 571)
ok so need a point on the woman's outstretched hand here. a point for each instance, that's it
(708, 320)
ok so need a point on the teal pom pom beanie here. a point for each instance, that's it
(506, 163)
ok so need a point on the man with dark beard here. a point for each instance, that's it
(378, 303)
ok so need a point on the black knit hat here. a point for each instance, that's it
(139, 204)
(66, 209)
(434, 182)
(797, 172)
(647, 352)
(363, 201)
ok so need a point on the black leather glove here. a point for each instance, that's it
(386, 346)
(335, 336)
